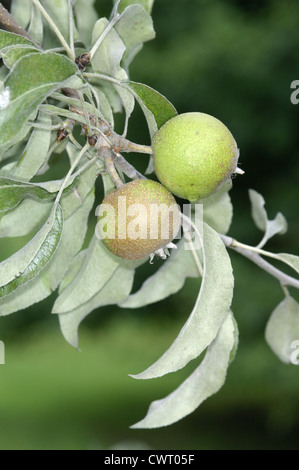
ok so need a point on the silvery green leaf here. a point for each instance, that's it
(12, 192)
(58, 10)
(282, 330)
(127, 99)
(36, 29)
(49, 278)
(134, 26)
(211, 306)
(218, 211)
(24, 265)
(97, 269)
(73, 270)
(107, 59)
(260, 217)
(168, 280)
(205, 381)
(21, 11)
(26, 218)
(86, 16)
(25, 89)
(8, 39)
(147, 4)
(12, 54)
(291, 260)
(156, 108)
(56, 111)
(117, 288)
(103, 105)
(73, 199)
(109, 54)
(35, 152)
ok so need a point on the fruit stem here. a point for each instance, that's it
(107, 155)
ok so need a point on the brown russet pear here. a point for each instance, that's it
(138, 219)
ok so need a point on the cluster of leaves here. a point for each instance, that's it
(56, 212)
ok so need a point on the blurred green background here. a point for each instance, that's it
(235, 60)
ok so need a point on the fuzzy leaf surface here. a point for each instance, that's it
(33, 78)
(282, 330)
(205, 381)
(211, 307)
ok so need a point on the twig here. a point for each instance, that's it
(252, 254)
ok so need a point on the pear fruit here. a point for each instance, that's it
(138, 219)
(194, 154)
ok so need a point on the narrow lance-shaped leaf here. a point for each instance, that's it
(24, 219)
(117, 288)
(97, 268)
(211, 306)
(59, 13)
(218, 210)
(260, 217)
(282, 330)
(13, 192)
(43, 285)
(205, 381)
(32, 79)
(168, 280)
(30, 260)
(36, 150)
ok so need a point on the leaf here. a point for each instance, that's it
(205, 381)
(147, 4)
(35, 152)
(73, 199)
(26, 218)
(97, 268)
(11, 39)
(21, 11)
(156, 108)
(260, 217)
(12, 192)
(59, 13)
(86, 16)
(168, 280)
(12, 54)
(109, 54)
(218, 211)
(291, 260)
(50, 277)
(282, 330)
(36, 29)
(117, 288)
(134, 26)
(33, 78)
(211, 306)
(33, 257)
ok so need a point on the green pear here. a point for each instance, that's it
(194, 154)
